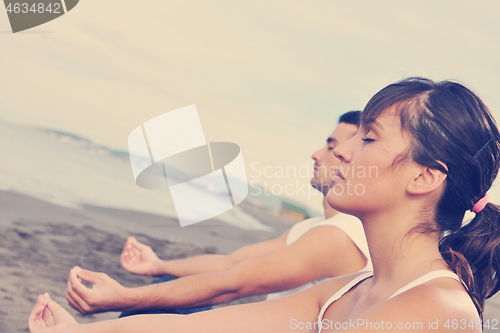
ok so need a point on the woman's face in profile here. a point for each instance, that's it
(368, 179)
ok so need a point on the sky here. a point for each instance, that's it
(271, 76)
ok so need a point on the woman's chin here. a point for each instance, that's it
(334, 200)
(343, 204)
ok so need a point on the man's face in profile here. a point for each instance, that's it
(325, 161)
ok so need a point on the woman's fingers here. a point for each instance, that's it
(35, 320)
(54, 308)
(47, 317)
(47, 313)
(61, 316)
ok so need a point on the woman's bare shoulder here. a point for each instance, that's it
(326, 289)
(441, 305)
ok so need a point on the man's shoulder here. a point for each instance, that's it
(301, 228)
(339, 220)
(327, 235)
(307, 224)
(321, 220)
(342, 217)
(346, 226)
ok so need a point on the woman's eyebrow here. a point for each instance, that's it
(369, 126)
(331, 140)
(379, 125)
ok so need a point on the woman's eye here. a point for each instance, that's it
(367, 139)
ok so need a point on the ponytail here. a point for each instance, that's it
(450, 125)
(473, 253)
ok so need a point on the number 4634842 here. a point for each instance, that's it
(35, 8)
(494, 324)
(463, 324)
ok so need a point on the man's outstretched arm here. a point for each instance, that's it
(324, 251)
(138, 258)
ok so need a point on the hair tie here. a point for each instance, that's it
(481, 204)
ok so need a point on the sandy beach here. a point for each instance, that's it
(40, 242)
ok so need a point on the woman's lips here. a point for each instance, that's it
(338, 175)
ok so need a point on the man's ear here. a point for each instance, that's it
(427, 180)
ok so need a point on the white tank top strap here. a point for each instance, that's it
(421, 280)
(426, 278)
(340, 293)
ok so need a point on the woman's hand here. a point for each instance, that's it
(49, 317)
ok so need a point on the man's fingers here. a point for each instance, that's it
(136, 244)
(77, 294)
(86, 274)
(70, 299)
(76, 285)
(126, 255)
(78, 303)
(73, 304)
(128, 245)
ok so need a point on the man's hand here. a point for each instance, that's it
(140, 259)
(106, 294)
(47, 316)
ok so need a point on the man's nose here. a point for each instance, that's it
(317, 155)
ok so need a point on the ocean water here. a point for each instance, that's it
(40, 166)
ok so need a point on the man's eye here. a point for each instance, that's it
(367, 139)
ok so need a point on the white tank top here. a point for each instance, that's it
(421, 280)
(349, 224)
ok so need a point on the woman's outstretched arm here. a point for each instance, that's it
(282, 315)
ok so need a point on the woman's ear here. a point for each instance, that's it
(427, 180)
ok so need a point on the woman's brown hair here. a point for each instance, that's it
(450, 125)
